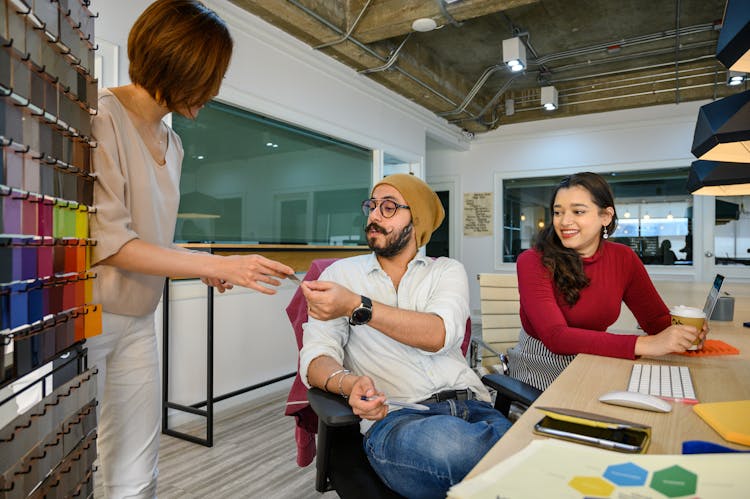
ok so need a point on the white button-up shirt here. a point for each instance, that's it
(401, 371)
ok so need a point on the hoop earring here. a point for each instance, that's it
(605, 234)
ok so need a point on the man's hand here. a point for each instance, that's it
(327, 300)
(367, 409)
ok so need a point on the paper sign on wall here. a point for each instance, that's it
(477, 214)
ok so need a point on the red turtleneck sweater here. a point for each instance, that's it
(616, 274)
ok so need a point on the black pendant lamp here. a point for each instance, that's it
(714, 178)
(722, 132)
(721, 141)
(733, 48)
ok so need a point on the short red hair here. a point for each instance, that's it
(179, 51)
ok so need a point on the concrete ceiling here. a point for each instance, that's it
(600, 55)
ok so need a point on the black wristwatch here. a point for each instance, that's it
(363, 313)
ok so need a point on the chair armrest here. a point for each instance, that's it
(332, 409)
(512, 389)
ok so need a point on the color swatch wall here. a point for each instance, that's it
(48, 93)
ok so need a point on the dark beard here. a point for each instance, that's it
(392, 247)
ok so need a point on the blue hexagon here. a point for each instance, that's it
(626, 474)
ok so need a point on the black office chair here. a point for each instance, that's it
(341, 463)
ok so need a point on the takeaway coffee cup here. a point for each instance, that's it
(688, 316)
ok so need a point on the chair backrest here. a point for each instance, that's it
(500, 303)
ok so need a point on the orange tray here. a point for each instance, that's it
(713, 347)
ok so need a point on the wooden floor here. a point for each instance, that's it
(253, 457)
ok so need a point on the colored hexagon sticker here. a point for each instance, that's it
(592, 485)
(626, 475)
(674, 481)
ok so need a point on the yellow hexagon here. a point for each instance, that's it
(592, 486)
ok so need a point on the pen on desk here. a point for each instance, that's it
(396, 403)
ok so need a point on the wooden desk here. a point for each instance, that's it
(715, 379)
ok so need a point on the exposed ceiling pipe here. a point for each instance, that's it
(492, 69)
(631, 70)
(473, 92)
(460, 121)
(494, 99)
(390, 62)
(367, 49)
(348, 33)
(627, 57)
(571, 53)
(698, 28)
(710, 70)
(447, 15)
(636, 94)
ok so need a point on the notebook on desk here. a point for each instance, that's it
(731, 420)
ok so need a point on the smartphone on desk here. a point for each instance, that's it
(593, 429)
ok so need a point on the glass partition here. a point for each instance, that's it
(655, 214)
(732, 231)
(250, 179)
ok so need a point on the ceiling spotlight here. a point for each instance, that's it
(514, 54)
(735, 78)
(549, 98)
(423, 24)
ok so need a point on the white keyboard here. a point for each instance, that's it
(669, 382)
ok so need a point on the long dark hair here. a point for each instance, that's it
(565, 264)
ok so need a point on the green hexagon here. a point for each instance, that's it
(674, 481)
(592, 486)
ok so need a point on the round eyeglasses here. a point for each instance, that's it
(388, 207)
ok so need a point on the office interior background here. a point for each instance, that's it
(294, 140)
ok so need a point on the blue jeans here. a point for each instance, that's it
(422, 453)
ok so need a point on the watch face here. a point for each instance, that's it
(361, 315)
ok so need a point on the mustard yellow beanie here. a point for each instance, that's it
(426, 210)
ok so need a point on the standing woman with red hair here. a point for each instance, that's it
(179, 51)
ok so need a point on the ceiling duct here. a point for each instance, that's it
(733, 47)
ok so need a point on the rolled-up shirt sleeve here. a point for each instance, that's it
(449, 299)
(322, 338)
(111, 222)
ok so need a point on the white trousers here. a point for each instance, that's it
(129, 403)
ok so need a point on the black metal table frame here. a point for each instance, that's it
(208, 412)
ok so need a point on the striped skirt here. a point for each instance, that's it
(531, 362)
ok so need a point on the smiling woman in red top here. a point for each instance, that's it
(572, 284)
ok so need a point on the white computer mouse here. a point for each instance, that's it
(636, 401)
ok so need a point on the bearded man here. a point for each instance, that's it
(385, 329)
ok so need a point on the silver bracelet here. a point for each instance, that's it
(341, 383)
(334, 373)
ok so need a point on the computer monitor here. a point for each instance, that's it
(713, 296)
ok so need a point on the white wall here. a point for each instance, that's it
(276, 75)
(654, 137)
